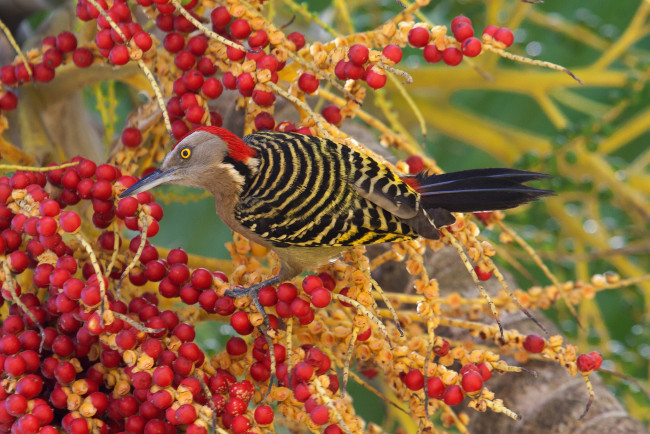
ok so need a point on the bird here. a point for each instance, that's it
(309, 199)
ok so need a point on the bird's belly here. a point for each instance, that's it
(295, 260)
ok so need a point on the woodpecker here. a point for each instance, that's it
(309, 198)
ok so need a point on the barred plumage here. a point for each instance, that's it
(309, 198)
(306, 193)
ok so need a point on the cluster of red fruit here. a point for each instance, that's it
(65, 364)
(463, 32)
(472, 377)
(102, 372)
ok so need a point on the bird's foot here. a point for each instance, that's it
(251, 290)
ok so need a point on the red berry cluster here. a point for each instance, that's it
(358, 67)
(471, 381)
(468, 45)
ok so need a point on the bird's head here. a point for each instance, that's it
(208, 157)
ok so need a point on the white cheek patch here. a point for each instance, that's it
(233, 173)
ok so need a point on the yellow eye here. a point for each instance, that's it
(185, 153)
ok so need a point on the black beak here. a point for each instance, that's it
(155, 178)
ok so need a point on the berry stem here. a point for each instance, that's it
(364, 267)
(143, 240)
(11, 284)
(145, 69)
(522, 59)
(16, 47)
(538, 261)
(207, 32)
(348, 358)
(470, 268)
(407, 97)
(97, 269)
(12, 167)
(139, 326)
(330, 403)
(116, 248)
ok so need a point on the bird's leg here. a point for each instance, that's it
(253, 292)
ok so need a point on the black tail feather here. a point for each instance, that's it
(479, 189)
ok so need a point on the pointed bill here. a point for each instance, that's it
(154, 179)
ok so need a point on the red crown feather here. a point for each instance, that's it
(237, 149)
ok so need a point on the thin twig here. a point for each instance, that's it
(522, 59)
(472, 273)
(16, 47)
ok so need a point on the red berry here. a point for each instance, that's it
(220, 18)
(8, 74)
(263, 98)
(235, 54)
(173, 42)
(418, 36)
(258, 39)
(414, 380)
(491, 30)
(131, 137)
(534, 344)
(452, 395)
(332, 114)
(66, 42)
(287, 292)
(472, 47)
(212, 88)
(482, 274)
(597, 358)
(69, 221)
(268, 296)
(483, 368)
(353, 72)
(339, 70)
(431, 54)
(463, 31)
(587, 363)
(264, 121)
(458, 20)
(264, 415)
(8, 101)
(308, 83)
(52, 58)
(163, 376)
(240, 29)
(358, 54)
(435, 387)
(363, 336)
(297, 38)
(300, 307)
(240, 322)
(319, 415)
(119, 55)
(142, 40)
(505, 36)
(197, 45)
(375, 78)
(321, 298)
(185, 414)
(240, 424)
(392, 52)
(303, 371)
(193, 79)
(82, 57)
(452, 56)
(184, 60)
(472, 381)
